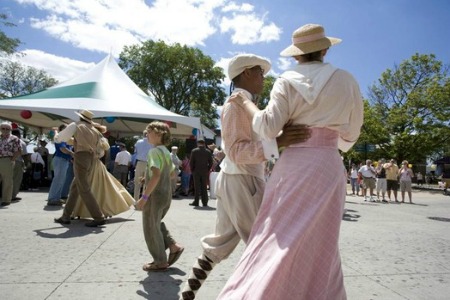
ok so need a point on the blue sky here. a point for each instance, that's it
(67, 37)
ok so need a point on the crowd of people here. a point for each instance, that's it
(289, 225)
(381, 181)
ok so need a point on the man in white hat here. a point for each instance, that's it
(85, 148)
(240, 183)
(293, 250)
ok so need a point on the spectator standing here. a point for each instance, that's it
(186, 174)
(43, 151)
(177, 163)
(61, 160)
(354, 180)
(381, 180)
(406, 174)
(201, 162)
(368, 174)
(37, 167)
(419, 178)
(141, 148)
(113, 150)
(122, 164)
(391, 178)
(19, 166)
(9, 152)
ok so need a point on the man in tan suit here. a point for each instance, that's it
(86, 139)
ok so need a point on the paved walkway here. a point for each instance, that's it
(389, 251)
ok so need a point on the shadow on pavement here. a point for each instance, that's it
(350, 216)
(155, 280)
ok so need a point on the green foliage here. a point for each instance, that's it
(407, 115)
(7, 45)
(265, 95)
(180, 78)
(17, 79)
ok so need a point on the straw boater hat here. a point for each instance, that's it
(307, 39)
(85, 115)
(240, 62)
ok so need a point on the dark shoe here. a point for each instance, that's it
(5, 203)
(54, 203)
(173, 257)
(95, 223)
(15, 199)
(62, 221)
(193, 204)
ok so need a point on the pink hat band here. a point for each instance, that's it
(308, 38)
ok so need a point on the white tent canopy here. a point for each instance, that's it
(109, 93)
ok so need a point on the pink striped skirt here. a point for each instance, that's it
(293, 249)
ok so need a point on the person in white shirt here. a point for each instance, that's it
(368, 174)
(141, 149)
(122, 165)
(37, 167)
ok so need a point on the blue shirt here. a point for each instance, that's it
(59, 153)
(141, 149)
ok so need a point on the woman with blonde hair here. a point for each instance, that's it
(405, 174)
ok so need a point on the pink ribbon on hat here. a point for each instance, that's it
(308, 38)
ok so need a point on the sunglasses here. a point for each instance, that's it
(5, 128)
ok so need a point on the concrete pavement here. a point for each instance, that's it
(389, 251)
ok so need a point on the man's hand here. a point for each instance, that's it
(293, 134)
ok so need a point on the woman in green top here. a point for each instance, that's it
(156, 198)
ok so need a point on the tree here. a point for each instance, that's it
(7, 44)
(180, 78)
(408, 112)
(17, 79)
(265, 95)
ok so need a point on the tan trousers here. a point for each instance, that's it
(238, 200)
(83, 163)
(6, 173)
(17, 177)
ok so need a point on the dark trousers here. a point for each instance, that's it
(200, 186)
(82, 167)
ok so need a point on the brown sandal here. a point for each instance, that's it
(152, 267)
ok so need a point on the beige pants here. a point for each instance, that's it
(6, 173)
(17, 177)
(238, 200)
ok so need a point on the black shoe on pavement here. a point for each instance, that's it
(15, 199)
(54, 203)
(62, 221)
(5, 203)
(95, 223)
(193, 204)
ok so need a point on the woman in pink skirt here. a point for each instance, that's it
(293, 249)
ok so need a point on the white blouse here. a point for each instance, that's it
(318, 95)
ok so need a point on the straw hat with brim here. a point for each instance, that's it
(85, 115)
(307, 39)
(240, 62)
